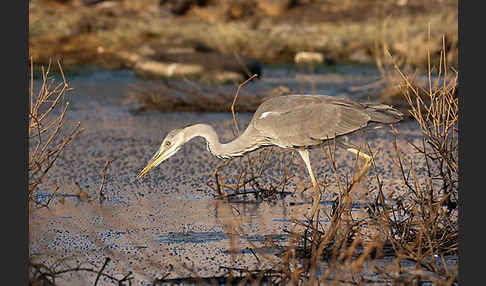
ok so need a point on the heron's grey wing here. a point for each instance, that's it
(336, 118)
(293, 120)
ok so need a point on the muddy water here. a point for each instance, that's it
(170, 222)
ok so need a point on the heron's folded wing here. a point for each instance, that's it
(307, 122)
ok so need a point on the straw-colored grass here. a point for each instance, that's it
(97, 34)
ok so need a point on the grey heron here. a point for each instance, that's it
(297, 122)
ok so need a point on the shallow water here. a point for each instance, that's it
(170, 221)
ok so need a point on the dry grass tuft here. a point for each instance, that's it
(48, 133)
(403, 91)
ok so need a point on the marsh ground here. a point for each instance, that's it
(170, 223)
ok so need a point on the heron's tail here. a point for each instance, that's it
(384, 113)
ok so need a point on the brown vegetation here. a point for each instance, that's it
(167, 96)
(48, 136)
(263, 30)
(47, 130)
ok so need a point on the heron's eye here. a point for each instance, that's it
(167, 143)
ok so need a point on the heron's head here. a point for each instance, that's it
(170, 145)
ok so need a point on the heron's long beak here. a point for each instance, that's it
(154, 162)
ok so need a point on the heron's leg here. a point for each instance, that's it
(304, 153)
(366, 165)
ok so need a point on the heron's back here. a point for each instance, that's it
(303, 120)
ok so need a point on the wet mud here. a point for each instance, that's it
(170, 224)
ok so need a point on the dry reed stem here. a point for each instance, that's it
(47, 134)
(43, 274)
(105, 169)
(234, 102)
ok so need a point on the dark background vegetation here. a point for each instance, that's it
(270, 31)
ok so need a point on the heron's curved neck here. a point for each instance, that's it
(237, 147)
